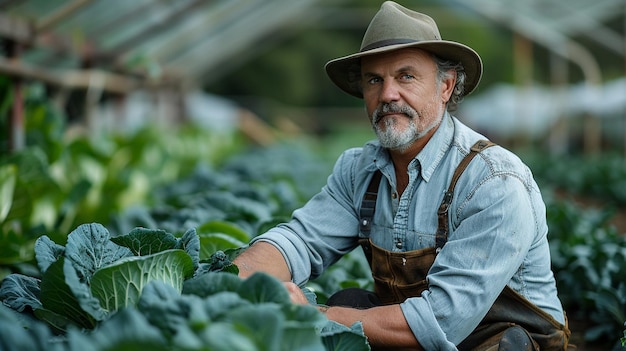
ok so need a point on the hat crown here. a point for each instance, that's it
(394, 24)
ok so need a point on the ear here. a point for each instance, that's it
(447, 85)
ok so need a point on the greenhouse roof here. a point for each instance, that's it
(128, 44)
(156, 41)
(555, 23)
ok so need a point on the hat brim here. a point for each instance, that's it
(345, 71)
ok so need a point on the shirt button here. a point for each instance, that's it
(394, 195)
(399, 244)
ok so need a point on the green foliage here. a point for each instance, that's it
(230, 205)
(351, 271)
(587, 251)
(149, 289)
(43, 124)
(588, 256)
(131, 275)
(602, 177)
(8, 177)
(92, 275)
(61, 180)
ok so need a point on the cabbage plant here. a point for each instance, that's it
(150, 289)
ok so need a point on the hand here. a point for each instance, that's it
(295, 294)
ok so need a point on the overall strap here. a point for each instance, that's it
(368, 205)
(442, 213)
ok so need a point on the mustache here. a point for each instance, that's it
(393, 107)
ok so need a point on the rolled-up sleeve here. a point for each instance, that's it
(324, 229)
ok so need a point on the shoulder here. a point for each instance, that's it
(497, 161)
(496, 178)
(354, 165)
(359, 158)
(494, 161)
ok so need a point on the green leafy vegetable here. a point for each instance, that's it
(89, 248)
(18, 333)
(221, 261)
(339, 337)
(20, 292)
(213, 242)
(8, 175)
(260, 288)
(127, 330)
(145, 242)
(57, 296)
(225, 228)
(131, 274)
(211, 283)
(92, 276)
(148, 289)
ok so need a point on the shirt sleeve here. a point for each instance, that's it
(492, 230)
(324, 229)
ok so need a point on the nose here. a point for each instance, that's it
(389, 91)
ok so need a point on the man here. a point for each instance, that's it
(457, 246)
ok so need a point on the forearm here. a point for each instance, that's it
(384, 326)
(262, 257)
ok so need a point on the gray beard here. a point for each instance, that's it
(392, 139)
(399, 140)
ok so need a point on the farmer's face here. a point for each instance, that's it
(403, 96)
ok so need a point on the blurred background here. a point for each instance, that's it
(553, 69)
(174, 114)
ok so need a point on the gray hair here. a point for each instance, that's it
(443, 71)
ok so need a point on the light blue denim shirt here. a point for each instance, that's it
(497, 230)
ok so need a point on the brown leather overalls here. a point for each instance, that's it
(400, 275)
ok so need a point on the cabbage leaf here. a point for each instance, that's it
(121, 283)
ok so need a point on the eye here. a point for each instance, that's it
(407, 76)
(374, 80)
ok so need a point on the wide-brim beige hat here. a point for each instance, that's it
(395, 27)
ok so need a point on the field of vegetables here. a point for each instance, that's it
(124, 242)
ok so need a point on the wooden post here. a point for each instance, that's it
(17, 139)
(559, 133)
(523, 63)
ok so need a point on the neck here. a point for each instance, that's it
(401, 160)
